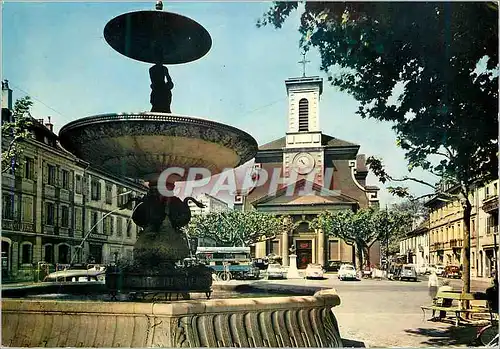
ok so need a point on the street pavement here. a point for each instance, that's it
(383, 313)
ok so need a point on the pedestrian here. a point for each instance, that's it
(492, 296)
(447, 302)
(433, 285)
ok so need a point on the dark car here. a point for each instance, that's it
(333, 265)
(452, 271)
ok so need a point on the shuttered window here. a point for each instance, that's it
(303, 115)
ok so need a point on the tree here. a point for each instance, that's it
(425, 67)
(354, 228)
(14, 132)
(235, 228)
(393, 225)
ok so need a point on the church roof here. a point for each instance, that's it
(314, 195)
(326, 140)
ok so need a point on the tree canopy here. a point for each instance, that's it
(236, 228)
(363, 228)
(14, 132)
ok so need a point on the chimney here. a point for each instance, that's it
(50, 125)
(6, 95)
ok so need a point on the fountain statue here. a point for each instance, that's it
(143, 145)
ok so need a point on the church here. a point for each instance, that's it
(330, 168)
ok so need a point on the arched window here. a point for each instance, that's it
(26, 253)
(49, 254)
(64, 254)
(303, 115)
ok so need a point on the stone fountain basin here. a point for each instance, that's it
(299, 321)
(142, 145)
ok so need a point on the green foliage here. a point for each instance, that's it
(13, 133)
(351, 227)
(364, 227)
(236, 228)
(414, 64)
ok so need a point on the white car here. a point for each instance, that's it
(439, 269)
(314, 271)
(347, 272)
(275, 271)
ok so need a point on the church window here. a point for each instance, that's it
(303, 115)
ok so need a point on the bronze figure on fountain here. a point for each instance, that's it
(161, 90)
(162, 242)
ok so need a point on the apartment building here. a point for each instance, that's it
(212, 204)
(57, 209)
(446, 230)
(415, 246)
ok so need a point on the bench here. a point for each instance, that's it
(444, 301)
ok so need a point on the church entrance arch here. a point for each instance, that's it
(304, 253)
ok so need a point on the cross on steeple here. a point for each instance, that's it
(303, 62)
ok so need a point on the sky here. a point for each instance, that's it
(56, 53)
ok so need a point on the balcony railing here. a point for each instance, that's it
(492, 229)
(9, 224)
(456, 243)
(437, 246)
(490, 203)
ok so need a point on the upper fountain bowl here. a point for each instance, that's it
(142, 145)
(158, 37)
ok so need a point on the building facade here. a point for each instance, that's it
(56, 209)
(317, 172)
(446, 230)
(211, 203)
(415, 246)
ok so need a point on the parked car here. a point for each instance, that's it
(408, 272)
(77, 275)
(315, 271)
(333, 266)
(347, 272)
(275, 271)
(452, 271)
(439, 269)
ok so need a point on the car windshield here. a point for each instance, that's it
(348, 267)
(408, 268)
(274, 266)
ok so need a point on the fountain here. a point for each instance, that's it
(143, 145)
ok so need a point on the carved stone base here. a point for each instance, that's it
(182, 280)
(244, 322)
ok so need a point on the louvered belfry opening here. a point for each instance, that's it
(303, 115)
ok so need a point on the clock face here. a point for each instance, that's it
(303, 163)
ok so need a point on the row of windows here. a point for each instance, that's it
(450, 233)
(63, 179)
(63, 255)
(9, 212)
(108, 225)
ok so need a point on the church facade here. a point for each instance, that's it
(318, 172)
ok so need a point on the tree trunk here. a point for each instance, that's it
(466, 248)
(359, 252)
(367, 255)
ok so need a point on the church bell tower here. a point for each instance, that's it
(303, 151)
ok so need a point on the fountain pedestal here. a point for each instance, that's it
(293, 272)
